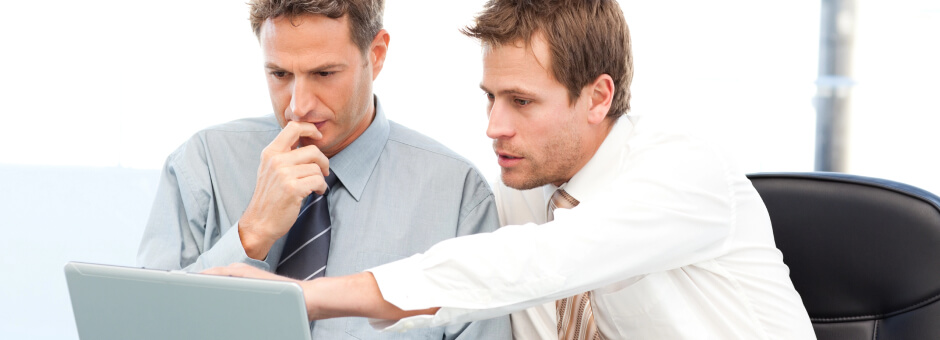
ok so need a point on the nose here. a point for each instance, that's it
(303, 100)
(500, 121)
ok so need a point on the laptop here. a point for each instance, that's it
(114, 302)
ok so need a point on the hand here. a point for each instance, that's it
(286, 176)
(244, 270)
(332, 297)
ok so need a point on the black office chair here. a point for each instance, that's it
(864, 253)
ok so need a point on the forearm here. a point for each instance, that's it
(181, 233)
(351, 295)
(166, 253)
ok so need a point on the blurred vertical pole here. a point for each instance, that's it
(833, 87)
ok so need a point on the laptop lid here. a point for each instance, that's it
(114, 302)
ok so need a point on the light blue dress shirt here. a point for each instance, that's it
(400, 193)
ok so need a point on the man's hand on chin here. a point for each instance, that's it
(286, 175)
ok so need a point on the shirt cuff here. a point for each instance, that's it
(401, 283)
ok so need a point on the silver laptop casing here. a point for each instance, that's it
(114, 302)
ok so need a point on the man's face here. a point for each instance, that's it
(536, 130)
(316, 74)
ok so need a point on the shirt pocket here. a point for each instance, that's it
(359, 328)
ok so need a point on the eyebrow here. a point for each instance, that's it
(510, 91)
(321, 68)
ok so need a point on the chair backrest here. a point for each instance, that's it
(864, 253)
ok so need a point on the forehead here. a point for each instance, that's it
(519, 65)
(306, 36)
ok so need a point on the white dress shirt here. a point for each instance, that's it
(673, 242)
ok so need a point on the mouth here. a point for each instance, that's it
(507, 156)
(305, 141)
(508, 160)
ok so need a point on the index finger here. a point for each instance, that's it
(292, 132)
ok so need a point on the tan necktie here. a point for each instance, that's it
(574, 314)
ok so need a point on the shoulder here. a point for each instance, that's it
(419, 158)
(681, 158)
(260, 124)
(657, 132)
(240, 128)
(236, 138)
(415, 144)
(656, 140)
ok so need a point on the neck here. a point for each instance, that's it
(589, 147)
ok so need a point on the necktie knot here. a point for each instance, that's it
(560, 200)
(331, 180)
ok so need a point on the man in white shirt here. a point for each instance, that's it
(613, 227)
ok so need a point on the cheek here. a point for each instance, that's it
(543, 134)
(360, 86)
(356, 94)
(335, 95)
(536, 131)
(280, 101)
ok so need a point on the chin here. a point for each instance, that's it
(304, 141)
(520, 181)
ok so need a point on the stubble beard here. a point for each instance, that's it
(552, 163)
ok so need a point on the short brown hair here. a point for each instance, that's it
(365, 16)
(587, 38)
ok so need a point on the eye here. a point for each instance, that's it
(278, 74)
(325, 73)
(522, 102)
(490, 96)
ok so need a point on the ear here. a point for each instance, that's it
(377, 51)
(602, 95)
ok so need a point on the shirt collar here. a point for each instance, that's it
(600, 170)
(354, 164)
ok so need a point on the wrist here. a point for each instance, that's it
(351, 295)
(332, 297)
(256, 246)
(313, 308)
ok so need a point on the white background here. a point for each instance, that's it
(95, 95)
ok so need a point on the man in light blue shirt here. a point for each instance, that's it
(233, 191)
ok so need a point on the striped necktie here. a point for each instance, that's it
(574, 314)
(308, 241)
